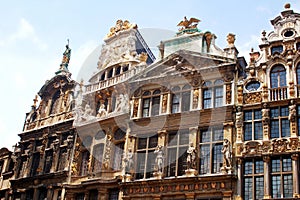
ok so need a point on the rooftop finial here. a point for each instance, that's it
(287, 6)
(35, 100)
(65, 60)
(188, 26)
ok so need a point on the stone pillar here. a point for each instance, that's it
(267, 190)
(169, 103)
(35, 193)
(295, 160)
(239, 180)
(200, 98)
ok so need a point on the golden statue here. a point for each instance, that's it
(188, 24)
(120, 26)
(143, 57)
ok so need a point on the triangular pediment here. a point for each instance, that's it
(182, 62)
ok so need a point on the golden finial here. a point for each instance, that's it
(287, 6)
(35, 100)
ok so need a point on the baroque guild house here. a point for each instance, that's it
(199, 122)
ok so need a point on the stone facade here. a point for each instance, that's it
(199, 123)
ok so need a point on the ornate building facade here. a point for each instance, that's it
(197, 123)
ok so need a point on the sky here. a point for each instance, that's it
(33, 35)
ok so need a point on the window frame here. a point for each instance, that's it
(210, 165)
(280, 118)
(213, 98)
(253, 121)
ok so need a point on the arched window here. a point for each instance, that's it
(278, 76)
(55, 102)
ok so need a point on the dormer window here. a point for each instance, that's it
(277, 49)
(288, 33)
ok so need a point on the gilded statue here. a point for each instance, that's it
(120, 26)
(188, 24)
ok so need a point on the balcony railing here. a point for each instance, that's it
(114, 80)
(276, 94)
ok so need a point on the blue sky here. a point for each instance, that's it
(33, 35)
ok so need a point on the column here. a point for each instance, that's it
(140, 107)
(169, 103)
(240, 178)
(266, 177)
(295, 175)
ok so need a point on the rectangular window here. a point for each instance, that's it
(118, 156)
(218, 96)
(207, 97)
(186, 100)
(155, 106)
(253, 179)
(48, 161)
(175, 103)
(281, 177)
(146, 107)
(97, 157)
(176, 153)
(145, 156)
(113, 194)
(211, 144)
(280, 125)
(253, 129)
(84, 164)
(35, 164)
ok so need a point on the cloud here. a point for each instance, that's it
(25, 31)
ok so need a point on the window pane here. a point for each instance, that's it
(248, 188)
(155, 106)
(276, 165)
(218, 96)
(285, 128)
(274, 112)
(257, 114)
(207, 98)
(204, 159)
(153, 141)
(175, 103)
(146, 106)
(258, 131)
(140, 165)
(248, 131)
(248, 115)
(171, 165)
(284, 111)
(205, 136)
(217, 157)
(259, 166)
(276, 186)
(287, 186)
(274, 129)
(218, 134)
(286, 164)
(184, 138)
(259, 187)
(182, 161)
(248, 167)
(186, 97)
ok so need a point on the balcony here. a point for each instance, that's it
(114, 80)
(276, 94)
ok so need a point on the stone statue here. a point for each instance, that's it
(102, 110)
(164, 103)
(239, 117)
(227, 154)
(88, 112)
(230, 39)
(191, 157)
(292, 112)
(159, 161)
(128, 160)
